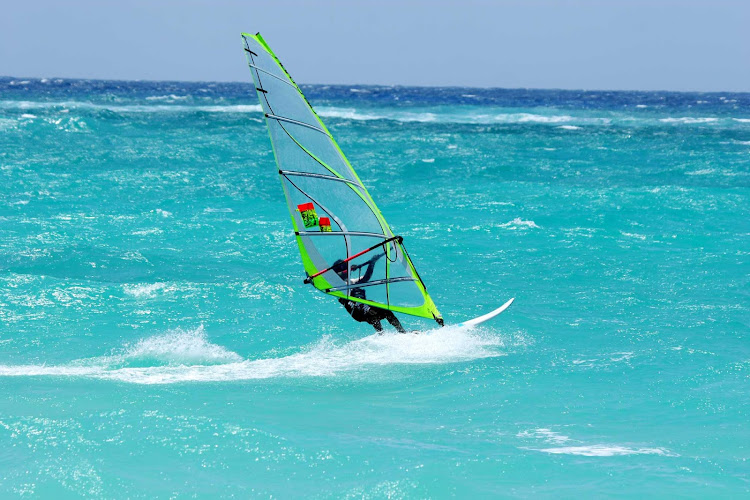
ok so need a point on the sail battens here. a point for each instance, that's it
(271, 75)
(368, 284)
(319, 176)
(296, 122)
(341, 233)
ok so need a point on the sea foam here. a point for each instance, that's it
(601, 450)
(188, 356)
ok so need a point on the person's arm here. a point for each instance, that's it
(370, 268)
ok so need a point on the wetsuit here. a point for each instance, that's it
(364, 312)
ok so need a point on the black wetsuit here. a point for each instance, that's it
(365, 313)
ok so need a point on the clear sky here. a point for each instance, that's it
(577, 44)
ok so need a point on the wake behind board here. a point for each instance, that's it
(488, 316)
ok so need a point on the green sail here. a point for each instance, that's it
(333, 215)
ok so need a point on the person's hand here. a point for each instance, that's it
(373, 260)
(376, 257)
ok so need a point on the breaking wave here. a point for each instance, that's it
(600, 450)
(188, 356)
(519, 223)
(471, 115)
(131, 108)
(689, 120)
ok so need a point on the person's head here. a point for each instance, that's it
(340, 268)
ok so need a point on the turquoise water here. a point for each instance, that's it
(156, 339)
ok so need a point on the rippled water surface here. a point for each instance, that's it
(156, 339)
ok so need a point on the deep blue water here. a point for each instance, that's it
(156, 339)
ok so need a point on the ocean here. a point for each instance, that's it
(157, 340)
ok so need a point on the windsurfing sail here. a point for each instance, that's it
(339, 229)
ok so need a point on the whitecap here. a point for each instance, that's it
(519, 223)
(131, 108)
(688, 120)
(544, 434)
(7, 124)
(143, 290)
(529, 117)
(569, 127)
(170, 97)
(634, 235)
(703, 171)
(601, 450)
(146, 232)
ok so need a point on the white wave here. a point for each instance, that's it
(7, 124)
(519, 223)
(547, 435)
(688, 120)
(131, 108)
(170, 97)
(471, 115)
(146, 232)
(634, 235)
(353, 114)
(703, 171)
(235, 108)
(140, 291)
(528, 117)
(28, 115)
(189, 357)
(601, 450)
(177, 348)
(419, 116)
(744, 143)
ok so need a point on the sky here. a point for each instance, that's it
(570, 44)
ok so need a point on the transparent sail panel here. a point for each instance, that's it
(262, 59)
(333, 214)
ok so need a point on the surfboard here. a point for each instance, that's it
(486, 317)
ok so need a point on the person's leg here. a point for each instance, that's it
(393, 320)
(377, 325)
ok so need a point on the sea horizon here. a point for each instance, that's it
(18, 80)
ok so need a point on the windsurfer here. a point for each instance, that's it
(364, 312)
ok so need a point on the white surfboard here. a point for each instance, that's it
(488, 316)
